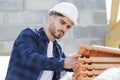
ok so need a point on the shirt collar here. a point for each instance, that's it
(43, 34)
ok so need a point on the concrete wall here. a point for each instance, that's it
(15, 15)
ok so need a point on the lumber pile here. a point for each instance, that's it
(95, 59)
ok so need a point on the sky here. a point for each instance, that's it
(108, 8)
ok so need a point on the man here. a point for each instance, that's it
(36, 55)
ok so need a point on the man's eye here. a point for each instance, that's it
(62, 22)
(68, 27)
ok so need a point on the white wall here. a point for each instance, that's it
(3, 66)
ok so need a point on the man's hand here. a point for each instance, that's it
(71, 61)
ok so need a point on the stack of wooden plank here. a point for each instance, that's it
(95, 59)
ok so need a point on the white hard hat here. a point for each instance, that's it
(68, 10)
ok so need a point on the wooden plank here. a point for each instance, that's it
(114, 13)
(97, 50)
(97, 66)
(112, 39)
(100, 60)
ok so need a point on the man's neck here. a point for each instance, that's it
(50, 37)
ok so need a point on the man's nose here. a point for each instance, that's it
(65, 28)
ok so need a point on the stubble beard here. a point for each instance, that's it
(53, 32)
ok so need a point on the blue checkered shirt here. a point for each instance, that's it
(29, 56)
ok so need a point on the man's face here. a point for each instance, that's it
(58, 26)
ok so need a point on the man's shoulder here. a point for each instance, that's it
(29, 31)
(33, 30)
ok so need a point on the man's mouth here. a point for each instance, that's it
(61, 32)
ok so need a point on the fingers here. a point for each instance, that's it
(75, 56)
(74, 63)
(71, 61)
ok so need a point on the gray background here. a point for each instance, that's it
(15, 15)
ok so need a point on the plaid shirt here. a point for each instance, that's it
(29, 56)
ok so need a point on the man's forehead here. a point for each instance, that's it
(66, 20)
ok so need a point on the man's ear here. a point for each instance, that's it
(50, 18)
